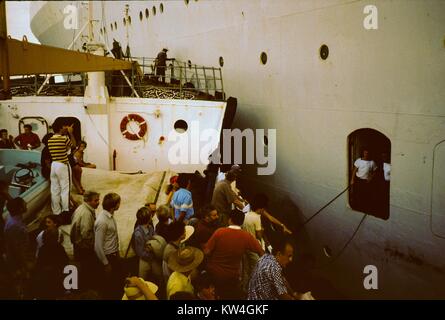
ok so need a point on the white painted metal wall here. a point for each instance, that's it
(100, 126)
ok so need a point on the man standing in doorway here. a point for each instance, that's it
(363, 173)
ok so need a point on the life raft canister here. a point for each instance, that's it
(141, 123)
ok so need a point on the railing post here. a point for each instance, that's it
(214, 79)
(35, 85)
(180, 78)
(222, 84)
(205, 80)
(197, 77)
(132, 79)
(143, 67)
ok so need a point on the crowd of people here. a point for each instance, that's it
(218, 250)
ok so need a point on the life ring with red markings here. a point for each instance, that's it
(141, 123)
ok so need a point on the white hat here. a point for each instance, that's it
(134, 293)
(189, 230)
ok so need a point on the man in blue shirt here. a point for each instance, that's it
(182, 201)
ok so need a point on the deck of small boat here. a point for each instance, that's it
(135, 190)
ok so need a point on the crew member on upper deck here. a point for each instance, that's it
(161, 65)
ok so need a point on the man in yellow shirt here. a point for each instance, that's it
(183, 262)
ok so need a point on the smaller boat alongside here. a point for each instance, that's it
(22, 170)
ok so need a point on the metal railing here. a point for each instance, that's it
(177, 76)
(72, 85)
(177, 80)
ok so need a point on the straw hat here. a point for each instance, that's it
(189, 230)
(133, 293)
(185, 259)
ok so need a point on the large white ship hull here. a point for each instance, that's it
(390, 79)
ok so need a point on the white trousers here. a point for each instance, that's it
(60, 187)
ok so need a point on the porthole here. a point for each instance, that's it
(324, 52)
(154, 10)
(141, 16)
(180, 126)
(221, 61)
(161, 8)
(147, 13)
(263, 57)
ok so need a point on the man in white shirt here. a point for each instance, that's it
(82, 237)
(362, 174)
(252, 224)
(106, 246)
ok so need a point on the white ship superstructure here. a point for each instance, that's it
(311, 70)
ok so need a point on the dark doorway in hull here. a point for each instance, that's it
(375, 199)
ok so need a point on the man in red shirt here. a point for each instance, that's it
(27, 140)
(224, 252)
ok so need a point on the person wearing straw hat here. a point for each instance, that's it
(139, 289)
(183, 262)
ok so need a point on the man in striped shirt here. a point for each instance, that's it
(59, 146)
